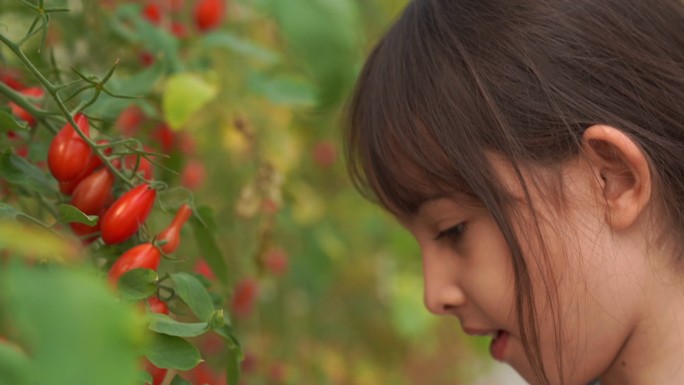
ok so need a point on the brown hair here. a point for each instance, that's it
(521, 78)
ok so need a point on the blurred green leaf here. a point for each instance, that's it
(162, 323)
(144, 377)
(194, 294)
(284, 89)
(184, 95)
(69, 214)
(18, 171)
(8, 122)
(223, 39)
(36, 242)
(8, 212)
(60, 309)
(14, 366)
(129, 23)
(172, 352)
(138, 284)
(207, 243)
(324, 37)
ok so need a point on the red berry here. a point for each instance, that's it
(129, 120)
(209, 14)
(193, 175)
(276, 261)
(244, 297)
(153, 13)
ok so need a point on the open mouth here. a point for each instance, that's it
(498, 345)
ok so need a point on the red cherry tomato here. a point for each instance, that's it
(11, 76)
(158, 374)
(203, 268)
(130, 120)
(21, 113)
(165, 137)
(152, 13)
(127, 213)
(145, 255)
(85, 232)
(246, 292)
(276, 261)
(94, 192)
(172, 233)
(157, 305)
(69, 156)
(193, 174)
(209, 14)
(68, 187)
(145, 166)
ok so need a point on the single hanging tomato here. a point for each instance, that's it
(209, 14)
(158, 374)
(145, 256)
(172, 233)
(124, 218)
(69, 155)
(157, 305)
(94, 192)
(21, 113)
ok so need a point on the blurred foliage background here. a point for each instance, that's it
(342, 302)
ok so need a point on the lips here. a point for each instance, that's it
(499, 340)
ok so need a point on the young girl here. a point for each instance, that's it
(535, 150)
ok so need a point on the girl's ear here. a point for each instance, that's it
(622, 173)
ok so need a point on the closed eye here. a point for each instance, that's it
(453, 233)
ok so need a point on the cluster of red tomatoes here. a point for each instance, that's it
(82, 174)
(207, 15)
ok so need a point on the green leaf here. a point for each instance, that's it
(138, 284)
(241, 46)
(194, 294)
(8, 212)
(73, 325)
(284, 89)
(207, 243)
(8, 122)
(18, 171)
(144, 377)
(172, 352)
(69, 214)
(14, 366)
(162, 323)
(178, 380)
(184, 95)
(36, 242)
(217, 319)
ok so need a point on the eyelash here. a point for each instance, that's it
(454, 233)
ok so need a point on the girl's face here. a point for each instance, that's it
(588, 278)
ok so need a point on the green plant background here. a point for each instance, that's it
(349, 308)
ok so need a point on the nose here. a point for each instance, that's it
(442, 293)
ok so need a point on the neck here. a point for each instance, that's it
(654, 351)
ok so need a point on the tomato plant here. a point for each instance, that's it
(145, 255)
(127, 213)
(69, 156)
(94, 192)
(171, 234)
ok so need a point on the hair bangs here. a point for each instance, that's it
(394, 154)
